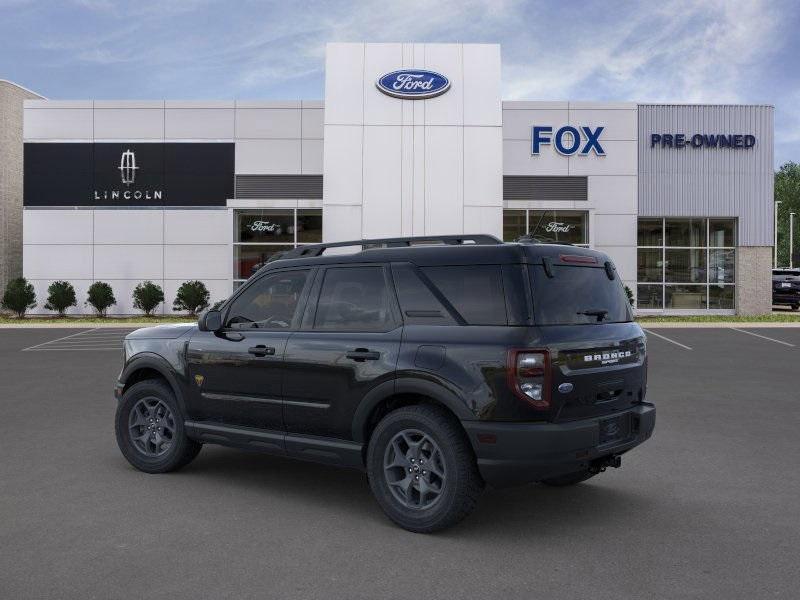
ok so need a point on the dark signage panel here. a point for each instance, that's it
(58, 174)
(128, 174)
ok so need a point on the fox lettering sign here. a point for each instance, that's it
(568, 140)
(413, 84)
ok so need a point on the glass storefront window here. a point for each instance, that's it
(685, 266)
(650, 232)
(514, 225)
(260, 233)
(267, 226)
(685, 296)
(562, 226)
(721, 266)
(248, 259)
(649, 265)
(698, 269)
(649, 296)
(309, 226)
(722, 233)
(685, 232)
(721, 296)
(570, 227)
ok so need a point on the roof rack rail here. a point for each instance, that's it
(396, 242)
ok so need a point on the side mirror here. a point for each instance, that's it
(210, 321)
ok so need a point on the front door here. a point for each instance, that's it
(347, 345)
(236, 374)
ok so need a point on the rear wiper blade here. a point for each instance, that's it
(599, 313)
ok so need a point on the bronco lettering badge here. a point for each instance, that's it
(607, 358)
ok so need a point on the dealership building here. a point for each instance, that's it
(411, 139)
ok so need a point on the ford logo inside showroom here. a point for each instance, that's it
(413, 84)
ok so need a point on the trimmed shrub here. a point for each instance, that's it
(100, 297)
(192, 296)
(19, 297)
(629, 294)
(147, 296)
(60, 296)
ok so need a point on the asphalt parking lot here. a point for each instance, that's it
(708, 508)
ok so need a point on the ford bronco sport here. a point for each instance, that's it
(436, 365)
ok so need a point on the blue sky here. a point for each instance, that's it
(665, 50)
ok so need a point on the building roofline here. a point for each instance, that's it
(22, 87)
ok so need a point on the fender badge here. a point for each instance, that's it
(198, 379)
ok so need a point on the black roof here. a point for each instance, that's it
(436, 251)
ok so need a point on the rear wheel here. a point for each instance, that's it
(150, 431)
(422, 470)
(795, 306)
(568, 479)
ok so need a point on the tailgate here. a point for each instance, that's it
(596, 370)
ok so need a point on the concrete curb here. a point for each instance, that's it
(722, 325)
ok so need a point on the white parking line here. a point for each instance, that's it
(58, 340)
(91, 339)
(763, 337)
(671, 341)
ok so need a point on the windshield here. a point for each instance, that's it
(577, 295)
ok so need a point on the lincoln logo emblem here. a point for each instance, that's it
(127, 167)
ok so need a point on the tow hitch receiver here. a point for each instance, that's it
(601, 464)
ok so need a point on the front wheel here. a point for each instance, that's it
(422, 469)
(150, 431)
(795, 306)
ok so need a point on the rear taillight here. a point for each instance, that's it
(529, 376)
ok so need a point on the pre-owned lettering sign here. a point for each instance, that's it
(702, 140)
(568, 140)
(413, 84)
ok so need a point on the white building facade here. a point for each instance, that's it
(680, 197)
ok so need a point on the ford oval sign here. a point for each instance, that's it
(413, 84)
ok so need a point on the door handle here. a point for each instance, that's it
(362, 354)
(261, 350)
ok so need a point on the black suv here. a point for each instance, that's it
(786, 288)
(437, 365)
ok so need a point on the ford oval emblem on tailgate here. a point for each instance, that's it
(565, 388)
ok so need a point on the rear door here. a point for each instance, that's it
(347, 345)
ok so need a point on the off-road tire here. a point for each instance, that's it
(568, 479)
(181, 451)
(462, 484)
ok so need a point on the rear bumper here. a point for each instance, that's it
(785, 297)
(525, 452)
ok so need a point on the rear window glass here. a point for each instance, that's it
(577, 295)
(476, 292)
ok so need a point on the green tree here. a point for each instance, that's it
(787, 191)
(147, 296)
(60, 296)
(100, 297)
(192, 296)
(19, 297)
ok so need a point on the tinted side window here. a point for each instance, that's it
(269, 303)
(354, 299)
(419, 305)
(476, 292)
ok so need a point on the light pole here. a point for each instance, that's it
(791, 238)
(775, 260)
